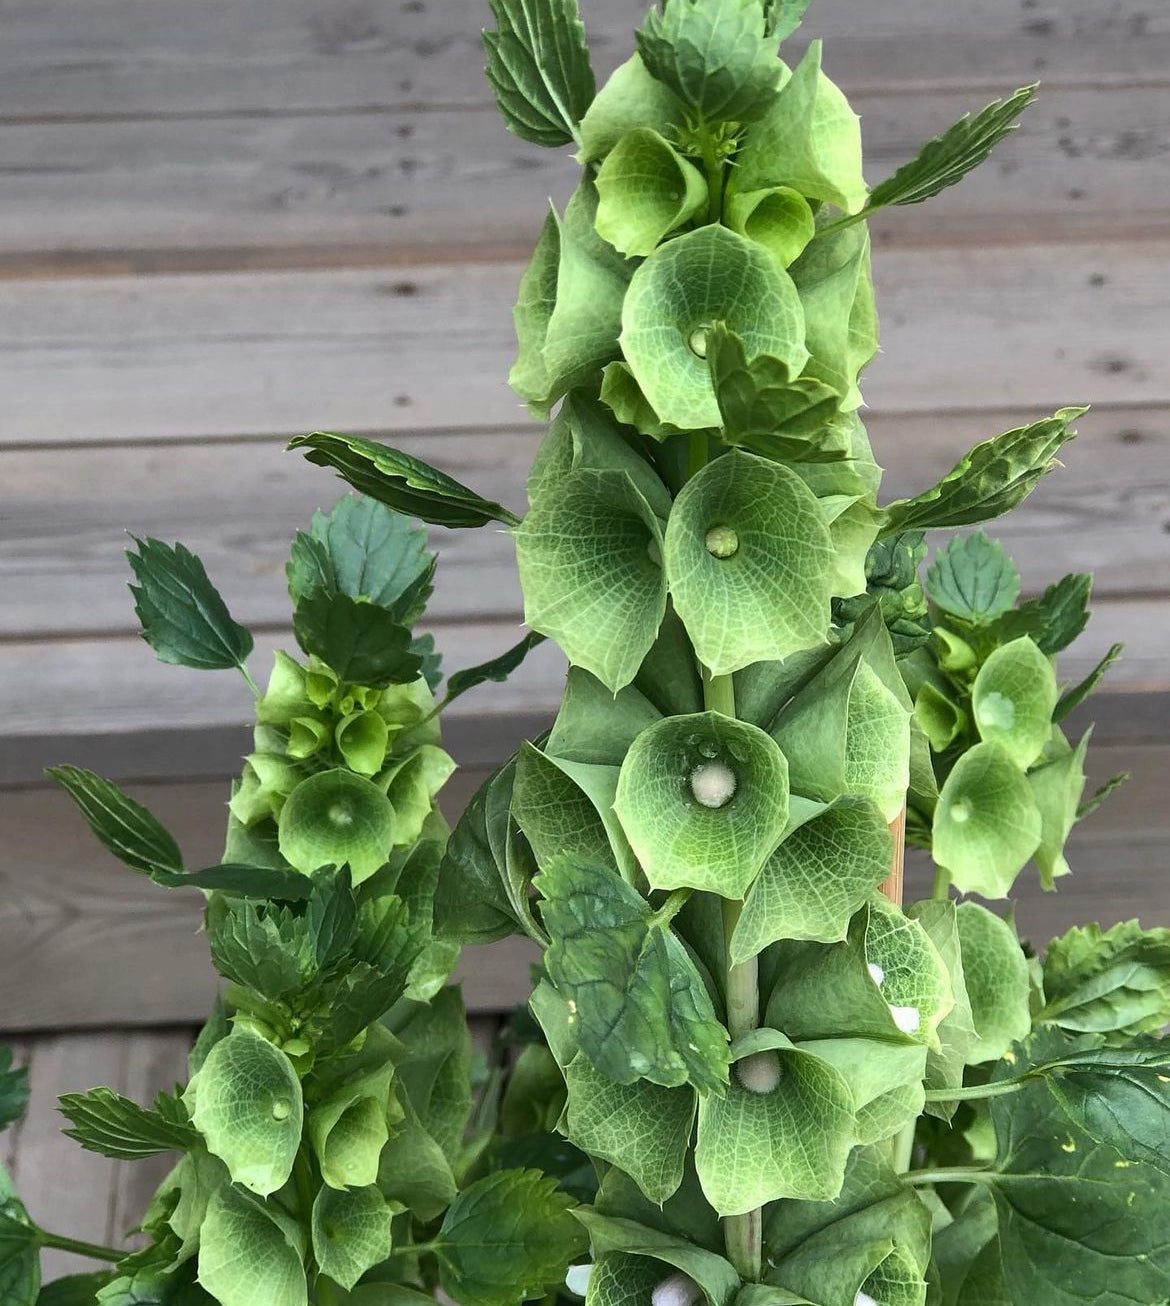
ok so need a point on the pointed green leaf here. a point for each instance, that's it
(336, 818)
(817, 879)
(508, 1237)
(597, 727)
(973, 579)
(497, 669)
(646, 190)
(1013, 698)
(1054, 619)
(783, 1129)
(989, 480)
(783, 18)
(73, 1290)
(685, 287)
(247, 1104)
(13, 1088)
(362, 643)
(987, 824)
(589, 554)
(250, 1251)
(538, 68)
(183, 617)
(714, 55)
(1074, 697)
(637, 1002)
(1056, 789)
(641, 1127)
(997, 981)
(703, 800)
(810, 140)
(400, 481)
(108, 1123)
(749, 557)
(351, 1233)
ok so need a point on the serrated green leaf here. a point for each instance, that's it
(250, 1251)
(1114, 982)
(13, 1088)
(183, 617)
(496, 669)
(679, 293)
(748, 556)
(269, 952)
(638, 1004)
(363, 643)
(246, 1102)
(538, 68)
(1074, 697)
(990, 480)
(336, 818)
(714, 55)
(509, 1236)
(108, 1123)
(1054, 619)
(973, 579)
(809, 140)
(987, 823)
(948, 158)
(400, 481)
(1013, 698)
(124, 827)
(350, 1232)
(646, 190)
(997, 981)
(434, 1068)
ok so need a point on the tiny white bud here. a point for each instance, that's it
(713, 784)
(876, 973)
(907, 1019)
(677, 1290)
(577, 1279)
(759, 1073)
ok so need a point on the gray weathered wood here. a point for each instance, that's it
(270, 353)
(237, 504)
(75, 58)
(225, 192)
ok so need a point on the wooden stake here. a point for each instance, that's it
(892, 885)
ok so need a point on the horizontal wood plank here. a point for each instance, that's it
(184, 193)
(78, 58)
(237, 504)
(275, 352)
(77, 931)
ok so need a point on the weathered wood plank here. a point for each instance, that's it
(269, 353)
(66, 909)
(237, 504)
(81, 58)
(66, 1189)
(182, 193)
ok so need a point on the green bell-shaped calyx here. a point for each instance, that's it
(777, 217)
(336, 818)
(250, 1251)
(1013, 700)
(646, 190)
(703, 800)
(749, 560)
(686, 286)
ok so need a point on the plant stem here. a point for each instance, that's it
(96, 1251)
(955, 1174)
(252, 685)
(718, 693)
(903, 1149)
(326, 1292)
(976, 1092)
(713, 167)
(942, 884)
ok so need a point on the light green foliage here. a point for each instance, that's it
(973, 579)
(766, 593)
(714, 55)
(106, 1122)
(350, 1120)
(250, 1251)
(636, 1002)
(885, 1081)
(645, 190)
(509, 1236)
(565, 806)
(877, 743)
(337, 818)
(817, 879)
(704, 277)
(777, 217)
(783, 1128)
(350, 1232)
(957, 1031)
(1114, 982)
(538, 68)
(630, 100)
(1013, 697)
(809, 140)
(997, 981)
(247, 1104)
(183, 617)
(1057, 787)
(987, 824)
(703, 800)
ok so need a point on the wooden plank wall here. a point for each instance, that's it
(224, 224)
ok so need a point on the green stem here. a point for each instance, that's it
(903, 1150)
(743, 1235)
(718, 693)
(713, 167)
(96, 1251)
(697, 452)
(942, 884)
(955, 1174)
(326, 1293)
(977, 1092)
(671, 907)
(252, 685)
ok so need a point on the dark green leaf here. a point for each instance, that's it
(973, 579)
(538, 67)
(1074, 697)
(497, 668)
(1090, 805)
(13, 1088)
(362, 643)
(105, 1122)
(1112, 982)
(73, 1290)
(990, 480)
(400, 481)
(20, 1270)
(423, 647)
(125, 827)
(949, 157)
(1053, 620)
(783, 17)
(183, 617)
(241, 881)
(270, 952)
(508, 1237)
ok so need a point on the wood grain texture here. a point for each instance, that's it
(265, 190)
(78, 58)
(238, 503)
(364, 349)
